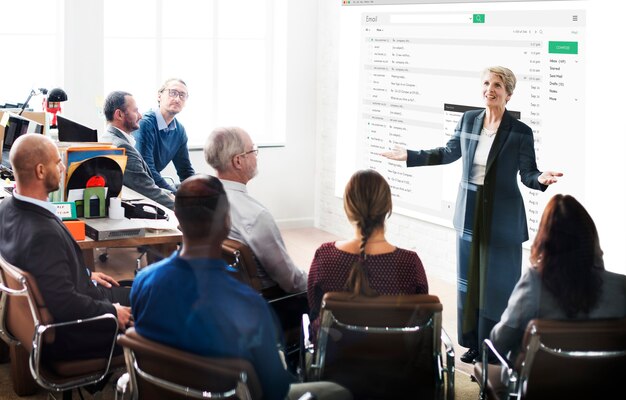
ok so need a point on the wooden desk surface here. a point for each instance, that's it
(151, 238)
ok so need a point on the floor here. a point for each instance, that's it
(301, 244)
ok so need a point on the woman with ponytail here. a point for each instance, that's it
(366, 264)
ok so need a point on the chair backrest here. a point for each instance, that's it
(158, 371)
(239, 257)
(26, 319)
(381, 347)
(245, 268)
(573, 359)
(24, 306)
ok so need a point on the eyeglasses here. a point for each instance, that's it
(173, 93)
(254, 150)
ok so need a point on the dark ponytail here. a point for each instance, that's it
(358, 282)
(367, 202)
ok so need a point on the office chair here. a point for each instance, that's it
(383, 347)
(559, 359)
(157, 371)
(244, 267)
(287, 306)
(27, 325)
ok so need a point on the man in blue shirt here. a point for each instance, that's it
(189, 301)
(161, 138)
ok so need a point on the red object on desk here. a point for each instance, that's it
(76, 228)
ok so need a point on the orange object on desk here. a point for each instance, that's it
(76, 228)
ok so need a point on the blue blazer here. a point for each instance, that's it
(512, 152)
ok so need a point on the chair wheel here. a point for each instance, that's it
(103, 257)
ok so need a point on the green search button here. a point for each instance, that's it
(478, 18)
(563, 47)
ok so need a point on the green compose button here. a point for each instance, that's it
(478, 18)
(563, 47)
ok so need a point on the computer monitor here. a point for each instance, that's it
(17, 126)
(71, 131)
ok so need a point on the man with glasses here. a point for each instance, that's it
(161, 138)
(232, 154)
(122, 115)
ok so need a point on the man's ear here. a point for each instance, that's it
(40, 171)
(236, 161)
(118, 114)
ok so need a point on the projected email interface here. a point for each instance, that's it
(419, 72)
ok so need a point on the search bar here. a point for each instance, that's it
(434, 18)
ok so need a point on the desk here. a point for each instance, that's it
(163, 240)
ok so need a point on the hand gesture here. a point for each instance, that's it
(124, 316)
(103, 279)
(549, 177)
(397, 154)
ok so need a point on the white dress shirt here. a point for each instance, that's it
(43, 204)
(485, 141)
(253, 225)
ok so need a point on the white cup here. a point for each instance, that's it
(116, 211)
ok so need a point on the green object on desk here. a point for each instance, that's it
(66, 210)
(94, 202)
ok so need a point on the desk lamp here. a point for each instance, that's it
(53, 103)
(33, 92)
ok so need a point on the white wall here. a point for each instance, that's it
(83, 61)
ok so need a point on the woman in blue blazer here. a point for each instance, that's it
(490, 218)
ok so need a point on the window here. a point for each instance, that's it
(230, 54)
(29, 34)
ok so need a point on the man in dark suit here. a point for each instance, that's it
(122, 114)
(34, 239)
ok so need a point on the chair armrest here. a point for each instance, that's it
(449, 369)
(509, 375)
(35, 356)
(306, 347)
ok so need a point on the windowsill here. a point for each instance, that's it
(197, 147)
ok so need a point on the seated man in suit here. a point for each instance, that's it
(191, 302)
(232, 154)
(35, 240)
(122, 114)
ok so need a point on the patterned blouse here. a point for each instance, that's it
(398, 272)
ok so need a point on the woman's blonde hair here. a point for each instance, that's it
(507, 76)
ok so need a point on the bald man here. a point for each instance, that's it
(34, 239)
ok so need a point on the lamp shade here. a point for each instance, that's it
(57, 95)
